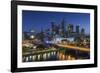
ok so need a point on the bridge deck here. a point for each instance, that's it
(37, 52)
(74, 47)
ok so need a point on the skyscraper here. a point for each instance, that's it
(62, 28)
(77, 29)
(53, 29)
(70, 28)
(83, 31)
(63, 25)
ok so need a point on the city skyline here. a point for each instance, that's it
(51, 36)
(37, 20)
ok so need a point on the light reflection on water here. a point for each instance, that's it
(53, 56)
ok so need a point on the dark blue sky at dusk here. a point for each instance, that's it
(38, 20)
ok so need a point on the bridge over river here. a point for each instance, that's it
(63, 52)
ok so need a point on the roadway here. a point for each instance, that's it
(74, 47)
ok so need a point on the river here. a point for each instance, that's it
(57, 56)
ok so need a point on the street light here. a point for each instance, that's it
(32, 36)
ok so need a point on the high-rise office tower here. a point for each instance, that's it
(77, 29)
(83, 31)
(70, 28)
